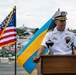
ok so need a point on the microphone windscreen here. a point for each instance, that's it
(49, 44)
(67, 41)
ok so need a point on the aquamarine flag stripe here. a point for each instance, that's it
(42, 29)
(31, 66)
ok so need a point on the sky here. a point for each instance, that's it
(35, 13)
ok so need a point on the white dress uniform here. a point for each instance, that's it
(60, 47)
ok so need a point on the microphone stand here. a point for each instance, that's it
(72, 49)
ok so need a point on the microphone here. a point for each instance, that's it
(49, 43)
(70, 43)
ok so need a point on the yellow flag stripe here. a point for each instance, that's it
(31, 49)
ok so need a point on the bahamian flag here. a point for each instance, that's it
(25, 56)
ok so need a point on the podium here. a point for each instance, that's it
(57, 65)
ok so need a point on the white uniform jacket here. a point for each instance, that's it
(60, 47)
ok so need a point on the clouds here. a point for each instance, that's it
(35, 13)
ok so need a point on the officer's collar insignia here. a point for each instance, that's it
(54, 38)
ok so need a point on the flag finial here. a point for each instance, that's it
(58, 9)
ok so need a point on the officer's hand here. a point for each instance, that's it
(74, 51)
(36, 59)
(48, 41)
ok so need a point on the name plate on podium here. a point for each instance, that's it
(58, 64)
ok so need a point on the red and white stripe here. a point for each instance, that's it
(8, 37)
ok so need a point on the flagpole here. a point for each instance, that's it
(15, 59)
(15, 44)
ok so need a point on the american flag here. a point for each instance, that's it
(8, 29)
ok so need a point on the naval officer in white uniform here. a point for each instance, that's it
(64, 41)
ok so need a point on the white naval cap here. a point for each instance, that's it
(60, 15)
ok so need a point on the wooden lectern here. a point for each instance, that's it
(58, 65)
